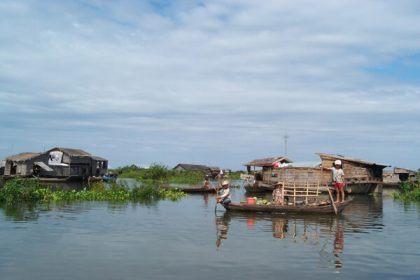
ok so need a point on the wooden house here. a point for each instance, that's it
(361, 176)
(261, 170)
(56, 163)
(20, 164)
(2, 165)
(405, 175)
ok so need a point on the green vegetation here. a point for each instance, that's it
(160, 173)
(410, 191)
(163, 174)
(27, 190)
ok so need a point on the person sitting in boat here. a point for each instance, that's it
(206, 183)
(224, 194)
(278, 195)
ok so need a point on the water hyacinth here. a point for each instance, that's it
(410, 191)
(28, 190)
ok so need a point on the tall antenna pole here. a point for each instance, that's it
(285, 143)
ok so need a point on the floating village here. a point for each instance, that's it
(302, 185)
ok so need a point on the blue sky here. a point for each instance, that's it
(212, 82)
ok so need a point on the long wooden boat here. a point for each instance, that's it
(326, 208)
(200, 189)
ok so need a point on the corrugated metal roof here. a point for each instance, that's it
(22, 157)
(267, 161)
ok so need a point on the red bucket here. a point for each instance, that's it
(250, 200)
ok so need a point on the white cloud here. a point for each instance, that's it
(234, 73)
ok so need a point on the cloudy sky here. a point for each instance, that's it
(212, 82)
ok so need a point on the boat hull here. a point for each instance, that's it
(326, 209)
(191, 190)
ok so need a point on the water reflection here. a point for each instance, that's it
(280, 226)
(325, 233)
(20, 213)
(222, 228)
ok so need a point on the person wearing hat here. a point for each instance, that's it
(224, 195)
(338, 180)
(278, 195)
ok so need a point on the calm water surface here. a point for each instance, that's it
(375, 238)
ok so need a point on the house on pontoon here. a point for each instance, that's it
(56, 163)
(361, 176)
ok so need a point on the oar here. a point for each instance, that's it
(332, 201)
(217, 193)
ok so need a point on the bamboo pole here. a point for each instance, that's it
(332, 201)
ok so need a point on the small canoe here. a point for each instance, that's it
(190, 189)
(272, 208)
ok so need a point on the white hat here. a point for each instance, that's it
(337, 162)
(225, 183)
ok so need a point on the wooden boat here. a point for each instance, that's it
(326, 208)
(200, 189)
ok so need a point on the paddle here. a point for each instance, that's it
(332, 201)
(217, 194)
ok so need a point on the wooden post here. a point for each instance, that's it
(307, 192)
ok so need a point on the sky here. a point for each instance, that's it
(212, 82)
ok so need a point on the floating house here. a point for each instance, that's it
(361, 176)
(2, 164)
(267, 164)
(57, 163)
(405, 175)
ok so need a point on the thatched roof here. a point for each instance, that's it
(268, 161)
(344, 158)
(22, 157)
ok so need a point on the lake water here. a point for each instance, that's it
(374, 238)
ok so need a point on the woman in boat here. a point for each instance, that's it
(224, 195)
(278, 196)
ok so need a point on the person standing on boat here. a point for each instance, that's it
(224, 194)
(338, 180)
(278, 196)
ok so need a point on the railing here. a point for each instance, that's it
(303, 191)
